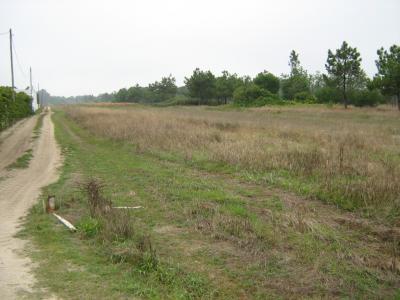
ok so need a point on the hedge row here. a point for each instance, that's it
(12, 111)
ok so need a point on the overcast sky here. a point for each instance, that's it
(92, 46)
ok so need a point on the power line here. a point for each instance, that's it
(21, 69)
(18, 61)
(13, 50)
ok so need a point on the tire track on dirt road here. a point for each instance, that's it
(18, 193)
(15, 141)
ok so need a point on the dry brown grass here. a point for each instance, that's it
(351, 157)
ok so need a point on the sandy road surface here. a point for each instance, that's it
(18, 192)
(15, 140)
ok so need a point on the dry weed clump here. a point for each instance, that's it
(114, 225)
(115, 228)
(98, 204)
(350, 155)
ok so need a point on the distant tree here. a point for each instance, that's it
(165, 89)
(122, 95)
(294, 85)
(44, 97)
(183, 90)
(316, 82)
(135, 93)
(294, 63)
(297, 82)
(105, 97)
(344, 67)
(267, 81)
(388, 76)
(225, 85)
(201, 85)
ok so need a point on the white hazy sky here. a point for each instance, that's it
(93, 46)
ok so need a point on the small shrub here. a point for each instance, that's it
(328, 95)
(246, 94)
(253, 95)
(89, 227)
(305, 97)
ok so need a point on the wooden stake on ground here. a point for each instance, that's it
(65, 222)
(128, 207)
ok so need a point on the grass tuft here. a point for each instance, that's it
(22, 162)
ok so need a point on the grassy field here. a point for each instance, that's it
(350, 159)
(231, 204)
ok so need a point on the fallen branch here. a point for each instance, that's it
(65, 222)
(128, 207)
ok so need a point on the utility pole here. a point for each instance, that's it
(12, 66)
(30, 80)
(38, 96)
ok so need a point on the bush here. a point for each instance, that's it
(89, 227)
(252, 95)
(12, 111)
(328, 95)
(247, 94)
(270, 100)
(367, 98)
(305, 97)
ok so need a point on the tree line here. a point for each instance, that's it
(344, 82)
(13, 110)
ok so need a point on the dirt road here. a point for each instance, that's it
(14, 141)
(19, 189)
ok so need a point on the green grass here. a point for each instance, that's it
(22, 162)
(38, 125)
(213, 234)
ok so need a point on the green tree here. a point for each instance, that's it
(294, 63)
(267, 81)
(165, 89)
(134, 94)
(344, 67)
(388, 76)
(122, 95)
(298, 82)
(201, 85)
(225, 85)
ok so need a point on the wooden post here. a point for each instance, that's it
(51, 204)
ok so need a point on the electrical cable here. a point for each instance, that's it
(19, 63)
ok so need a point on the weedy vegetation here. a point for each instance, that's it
(38, 125)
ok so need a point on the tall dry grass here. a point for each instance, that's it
(350, 157)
